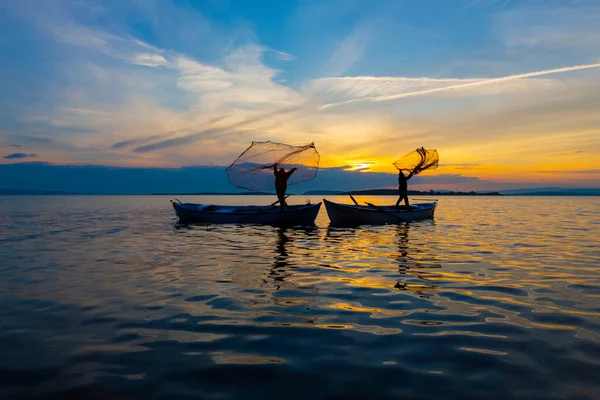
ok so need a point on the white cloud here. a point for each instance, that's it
(200, 78)
(127, 49)
(149, 60)
(251, 83)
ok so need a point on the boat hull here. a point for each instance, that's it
(347, 214)
(267, 215)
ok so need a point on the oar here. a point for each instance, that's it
(286, 196)
(384, 211)
(352, 197)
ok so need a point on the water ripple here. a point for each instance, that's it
(108, 297)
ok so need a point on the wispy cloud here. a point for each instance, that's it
(469, 84)
(283, 56)
(374, 88)
(349, 51)
(213, 132)
(159, 137)
(538, 26)
(128, 49)
(200, 78)
(137, 142)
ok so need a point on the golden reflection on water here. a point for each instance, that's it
(466, 268)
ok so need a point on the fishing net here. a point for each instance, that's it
(253, 169)
(418, 161)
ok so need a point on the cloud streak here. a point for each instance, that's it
(213, 132)
(136, 142)
(466, 85)
(161, 136)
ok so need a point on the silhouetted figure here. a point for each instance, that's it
(403, 188)
(281, 178)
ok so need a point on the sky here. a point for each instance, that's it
(507, 91)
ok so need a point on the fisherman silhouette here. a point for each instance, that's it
(403, 180)
(403, 188)
(281, 179)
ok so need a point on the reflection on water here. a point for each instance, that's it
(279, 270)
(108, 297)
(411, 268)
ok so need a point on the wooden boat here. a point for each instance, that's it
(304, 214)
(348, 214)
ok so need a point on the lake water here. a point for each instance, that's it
(105, 297)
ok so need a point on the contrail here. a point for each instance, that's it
(470, 84)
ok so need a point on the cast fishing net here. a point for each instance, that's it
(418, 161)
(253, 169)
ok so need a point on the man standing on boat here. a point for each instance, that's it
(403, 180)
(281, 178)
(403, 188)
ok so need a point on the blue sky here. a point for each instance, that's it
(507, 91)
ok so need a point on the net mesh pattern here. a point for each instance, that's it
(418, 161)
(253, 169)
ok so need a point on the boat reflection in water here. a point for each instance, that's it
(289, 249)
(290, 283)
(279, 271)
(379, 254)
(416, 277)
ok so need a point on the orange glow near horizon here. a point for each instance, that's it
(541, 159)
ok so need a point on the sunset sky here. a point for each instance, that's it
(508, 92)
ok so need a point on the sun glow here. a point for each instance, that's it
(363, 166)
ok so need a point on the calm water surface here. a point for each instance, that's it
(106, 297)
